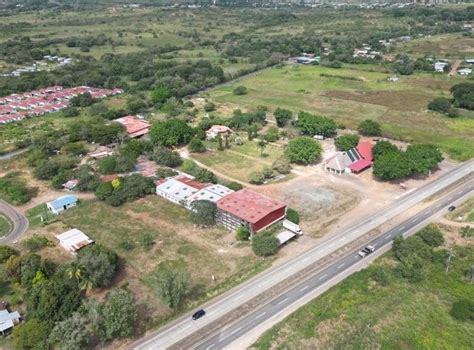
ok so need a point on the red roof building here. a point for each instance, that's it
(365, 150)
(134, 126)
(250, 209)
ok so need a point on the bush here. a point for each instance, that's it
(196, 146)
(240, 90)
(167, 157)
(204, 175)
(463, 310)
(282, 116)
(163, 173)
(6, 252)
(209, 107)
(292, 215)
(370, 128)
(303, 150)
(316, 125)
(203, 212)
(272, 135)
(265, 244)
(235, 186)
(14, 189)
(256, 178)
(119, 314)
(282, 165)
(467, 232)
(346, 142)
(440, 104)
(101, 264)
(431, 235)
(242, 234)
(32, 334)
(36, 242)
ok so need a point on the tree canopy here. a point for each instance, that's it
(303, 150)
(315, 125)
(171, 132)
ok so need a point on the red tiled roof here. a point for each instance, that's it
(249, 205)
(134, 126)
(365, 150)
(360, 165)
(190, 182)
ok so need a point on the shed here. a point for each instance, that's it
(62, 203)
(73, 240)
(285, 236)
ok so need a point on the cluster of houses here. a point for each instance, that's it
(234, 208)
(35, 67)
(366, 52)
(306, 58)
(355, 160)
(16, 107)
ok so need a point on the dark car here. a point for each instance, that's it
(451, 208)
(198, 314)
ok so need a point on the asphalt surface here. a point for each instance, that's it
(226, 303)
(275, 306)
(20, 223)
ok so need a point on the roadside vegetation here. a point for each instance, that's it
(404, 299)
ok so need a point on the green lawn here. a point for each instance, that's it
(5, 225)
(360, 313)
(39, 214)
(353, 94)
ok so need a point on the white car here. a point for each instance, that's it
(367, 250)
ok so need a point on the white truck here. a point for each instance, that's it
(291, 226)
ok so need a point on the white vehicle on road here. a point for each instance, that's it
(367, 250)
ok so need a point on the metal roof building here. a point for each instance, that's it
(62, 203)
(73, 240)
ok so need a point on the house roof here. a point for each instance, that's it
(7, 319)
(285, 236)
(249, 205)
(190, 182)
(365, 150)
(73, 240)
(60, 202)
(177, 189)
(134, 126)
(219, 129)
(339, 162)
(360, 165)
(211, 193)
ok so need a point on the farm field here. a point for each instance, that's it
(450, 46)
(367, 311)
(350, 95)
(175, 244)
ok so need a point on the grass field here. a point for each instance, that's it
(350, 95)
(361, 313)
(5, 225)
(37, 214)
(451, 46)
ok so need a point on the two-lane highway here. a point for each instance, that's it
(299, 291)
(19, 222)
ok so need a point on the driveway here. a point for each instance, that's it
(20, 223)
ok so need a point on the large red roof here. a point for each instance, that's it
(134, 126)
(360, 165)
(249, 205)
(365, 150)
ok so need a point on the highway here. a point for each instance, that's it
(384, 240)
(184, 329)
(20, 223)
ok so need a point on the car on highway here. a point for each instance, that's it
(198, 314)
(451, 208)
(367, 250)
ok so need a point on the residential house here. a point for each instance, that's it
(248, 209)
(73, 240)
(62, 203)
(135, 127)
(7, 319)
(465, 72)
(216, 130)
(439, 66)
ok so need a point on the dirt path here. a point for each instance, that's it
(454, 67)
(445, 221)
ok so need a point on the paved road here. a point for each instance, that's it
(13, 154)
(20, 223)
(224, 304)
(239, 329)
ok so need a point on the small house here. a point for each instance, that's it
(464, 72)
(73, 240)
(62, 203)
(216, 130)
(8, 319)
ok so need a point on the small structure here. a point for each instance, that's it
(178, 189)
(354, 160)
(216, 130)
(285, 236)
(100, 153)
(393, 79)
(8, 319)
(249, 209)
(73, 240)
(211, 193)
(338, 164)
(465, 72)
(146, 167)
(135, 127)
(365, 151)
(439, 66)
(62, 203)
(71, 184)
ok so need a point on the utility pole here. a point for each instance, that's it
(448, 261)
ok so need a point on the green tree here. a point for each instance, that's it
(242, 234)
(165, 156)
(423, 157)
(262, 144)
(32, 334)
(240, 90)
(383, 147)
(205, 176)
(440, 104)
(100, 263)
(160, 94)
(292, 215)
(369, 127)
(391, 166)
(282, 116)
(282, 165)
(346, 142)
(264, 244)
(303, 150)
(6, 252)
(173, 286)
(196, 146)
(172, 132)
(464, 95)
(71, 334)
(315, 125)
(431, 235)
(203, 212)
(104, 190)
(119, 314)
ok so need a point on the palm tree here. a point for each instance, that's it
(86, 284)
(75, 271)
(262, 144)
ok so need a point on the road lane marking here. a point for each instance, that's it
(210, 346)
(402, 228)
(323, 276)
(460, 192)
(374, 245)
(235, 331)
(387, 237)
(341, 265)
(261, 315)
(305, 287)
(415, 219)
(331, 245)
(282, 301)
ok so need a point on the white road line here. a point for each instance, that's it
(413, 220)
(387, 237)
(342, 239)
(460, 192)
(323, 276)
(305, 287)
(235, 331)
(331, 245)
(210, 346)
(374, 245)
(402, 228)
(282, 301)
(261, 315)
(341, 265)
(438, 205)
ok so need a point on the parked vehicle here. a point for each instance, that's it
(452, 208)
(198, 314)
(291, 226)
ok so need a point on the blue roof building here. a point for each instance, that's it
(62, 203)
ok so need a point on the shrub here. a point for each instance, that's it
(242, 234)
(240, 90)
(370, 128)
(203, 212)
(272, 135)
(282, 165)
(346, 142)
(146, 240)
(119, 314)
(431, 235)
(235, 186)
(303, 150)
(36, 242)
(196, 146)
(282, 116)
(167, 157)
(204, 175)
(101, 264)
(292, 215)
(440, 104)
(264, 244)
(32, 334)
(173, 286)
(6, 252)
(163, 173)
(256, 178)
(209, 107)
(463, 310)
